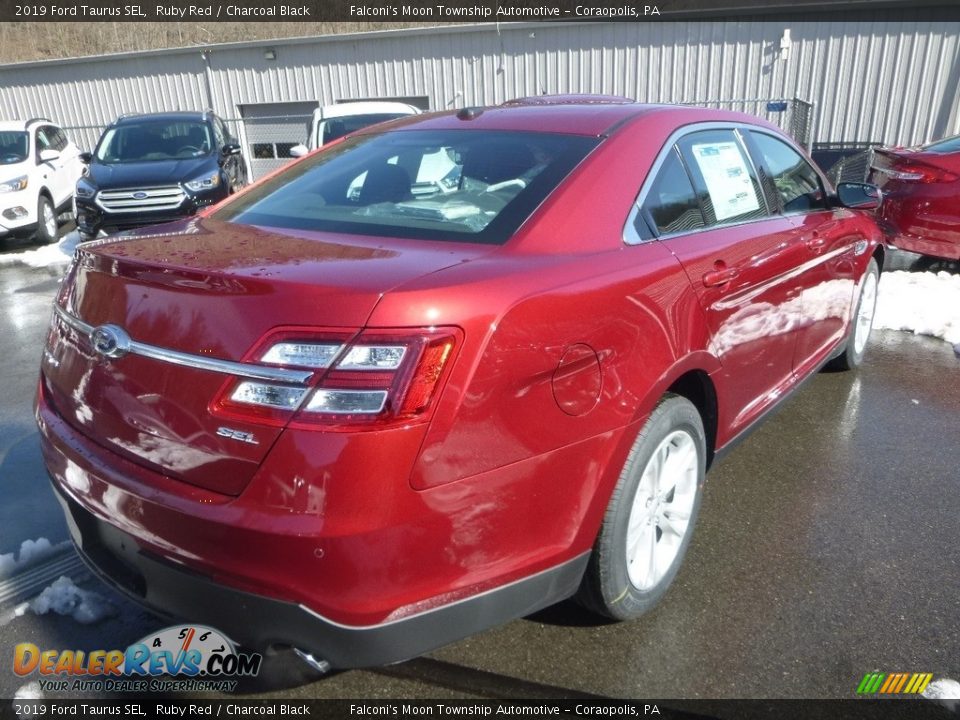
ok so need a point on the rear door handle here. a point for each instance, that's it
(714, 278)
(816, 243)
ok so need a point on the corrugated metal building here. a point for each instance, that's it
(885, 76)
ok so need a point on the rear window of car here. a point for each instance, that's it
(454, 185)
(671, 205)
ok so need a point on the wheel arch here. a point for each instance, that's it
(880, 255)
(697, 387)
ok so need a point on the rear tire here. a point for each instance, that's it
(651, 515)
(46, 222)
(862, 321)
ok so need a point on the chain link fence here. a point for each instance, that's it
(845, 162)
(794, 116)
(84, 137)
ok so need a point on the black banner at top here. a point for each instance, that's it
(202, 709)
(431, 11)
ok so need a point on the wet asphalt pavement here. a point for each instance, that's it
(827, 547)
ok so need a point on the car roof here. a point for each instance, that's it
(21, 125)
(578, 115)
(571, 99)
(179, 115)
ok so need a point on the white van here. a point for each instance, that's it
(330, 122)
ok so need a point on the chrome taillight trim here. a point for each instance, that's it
(175, 357)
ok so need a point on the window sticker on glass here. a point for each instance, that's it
(727, 178)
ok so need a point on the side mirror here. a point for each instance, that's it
(859, 196)
(49, 155)
(298, 151)
(85, 158)
(230, 149)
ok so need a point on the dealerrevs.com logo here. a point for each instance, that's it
(178, 658)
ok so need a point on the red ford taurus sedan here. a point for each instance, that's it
(445, 372)
(921, 197)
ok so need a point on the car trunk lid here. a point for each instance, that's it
(893, 167)
(209, 291)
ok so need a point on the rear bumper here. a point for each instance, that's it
(923, 224)
(260, 622)
(393, 573)
(947, 250)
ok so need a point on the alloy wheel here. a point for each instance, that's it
(662, 508)
(868, 303)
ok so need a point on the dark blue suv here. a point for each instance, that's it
(150, 169)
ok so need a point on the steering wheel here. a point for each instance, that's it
(188, 148)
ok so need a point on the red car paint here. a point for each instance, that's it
(563, 340)
(920, 188)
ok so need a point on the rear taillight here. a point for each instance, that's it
(906, 170)
(368, 379)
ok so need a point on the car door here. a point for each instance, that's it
(52, 172)
(233, 165)
(827, 274)
(70, 154)
(707, 207)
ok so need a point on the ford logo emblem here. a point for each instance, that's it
(110, 341)
(140, 195)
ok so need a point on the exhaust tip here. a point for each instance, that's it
(321, 666)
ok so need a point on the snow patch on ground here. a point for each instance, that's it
(30, 691)
(944, 691)
(8, 616)
(59, 252)
(924, 303)
(31, 552)
(65, 598)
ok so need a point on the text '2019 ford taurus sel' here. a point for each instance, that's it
(334, 415)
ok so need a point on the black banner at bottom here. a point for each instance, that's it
(378, 709)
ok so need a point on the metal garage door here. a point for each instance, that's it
(269, 130)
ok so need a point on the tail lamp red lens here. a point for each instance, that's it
(911, 171)
(360, 380)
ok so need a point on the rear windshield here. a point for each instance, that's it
(948, 145)
(13, 147)
(154, 140)
(457, 185)
(338, 127)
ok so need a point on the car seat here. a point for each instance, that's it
(385, 183)
(496, 162)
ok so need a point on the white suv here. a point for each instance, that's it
(39, 168)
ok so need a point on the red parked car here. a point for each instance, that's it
(337, 415)
(921, 197)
